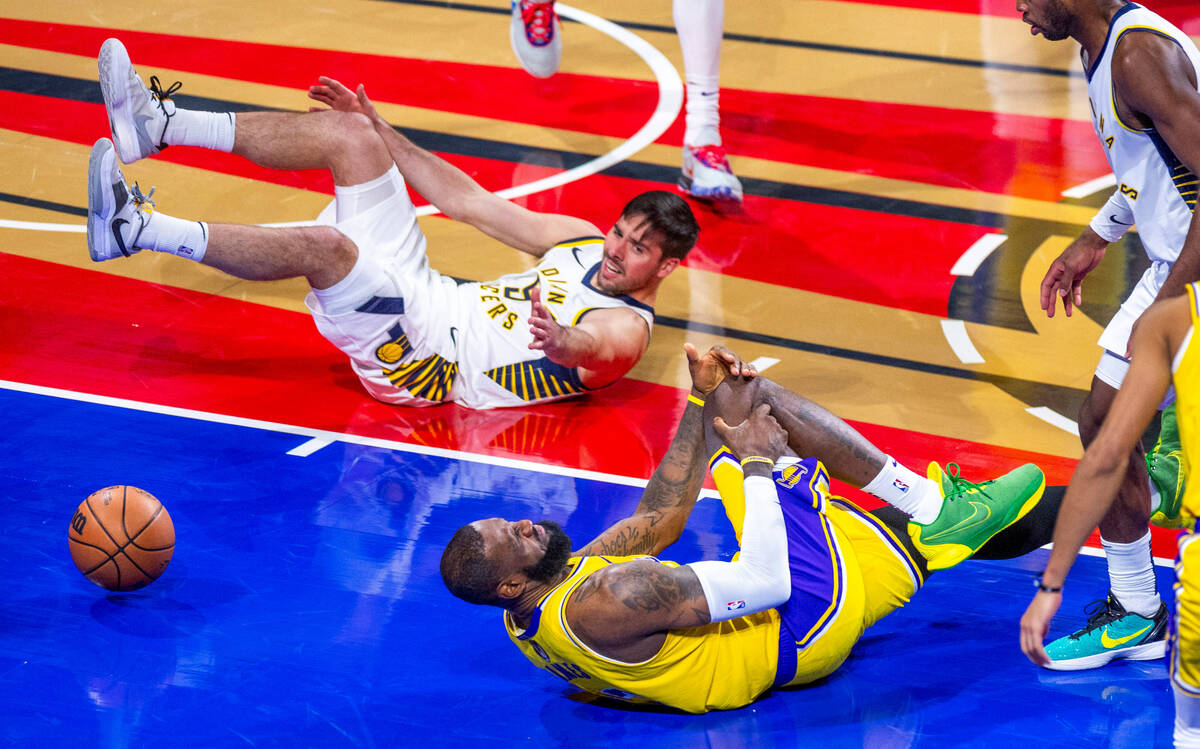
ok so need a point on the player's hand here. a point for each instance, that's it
(1035, 625)
(335, 95)
(548, 335)
(1064, 278)
(758, 435)
(711, 369)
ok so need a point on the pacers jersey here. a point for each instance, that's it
(1185, 372)
(1159, 189)
(496, 367)
(718, 666)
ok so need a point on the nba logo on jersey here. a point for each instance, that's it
(900, 485)
(735, 605)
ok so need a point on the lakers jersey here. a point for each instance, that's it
(1157, 186)
(1185, 372)
(715, 667)
(496, 367)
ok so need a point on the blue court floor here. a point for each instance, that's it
(303, 607)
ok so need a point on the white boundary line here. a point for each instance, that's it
(670, 100)
(763, 362)
(955, 332)
(315, 434)
(1091, 186)
(321, 438)
(969, 261)
(1054, 418)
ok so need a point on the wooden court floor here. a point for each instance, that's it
(911, 167)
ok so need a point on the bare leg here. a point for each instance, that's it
(321, 254)
(345, 143)
(812, 430)
(1129, 517)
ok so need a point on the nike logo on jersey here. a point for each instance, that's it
(116, 232)
(454, 336)
(1113, 219)
(980, 513)
(1112, 642)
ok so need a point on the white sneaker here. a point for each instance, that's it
(536, 36)
(116, 213)
(138, 117)
(707, 174)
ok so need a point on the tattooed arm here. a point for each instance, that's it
(624, 610)
(662, 513)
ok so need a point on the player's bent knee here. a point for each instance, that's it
(333, 253)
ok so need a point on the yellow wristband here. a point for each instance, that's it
(693, 399)
(757, 459)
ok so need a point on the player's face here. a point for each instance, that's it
(1050, 18)
(538, 549)
(633, 257)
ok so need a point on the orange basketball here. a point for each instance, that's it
(121, 538)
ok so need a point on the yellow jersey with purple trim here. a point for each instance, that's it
(1185, 372)
(1158, 188)
(715, 667)
(496, 367)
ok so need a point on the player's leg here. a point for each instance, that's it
(1185, 644)
(1133, 606)
(706, 172)
(939, 504)
(144, 121)
(536, 36)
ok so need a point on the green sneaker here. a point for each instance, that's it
(1111, 632)
(973, 513)
(1165, 465)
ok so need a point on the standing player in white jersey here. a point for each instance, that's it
(577, 321)
(536, 38)
(1142, 77)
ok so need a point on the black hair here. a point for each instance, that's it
(670, 218)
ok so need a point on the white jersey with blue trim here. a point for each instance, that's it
(496, 367)
(1160, 190)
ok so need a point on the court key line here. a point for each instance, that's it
(955, 331)
(670, 100)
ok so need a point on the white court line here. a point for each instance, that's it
(670, 100)
(970, 260)
(310, 447)
(1091, 186)
(1055, 419)
(763, 362)
(955, 332)
(320, 434)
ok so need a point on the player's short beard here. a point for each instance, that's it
(558, 550)
(1058, 21)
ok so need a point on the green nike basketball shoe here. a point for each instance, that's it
(1111, 633)
(973, 513)
(1165, 465)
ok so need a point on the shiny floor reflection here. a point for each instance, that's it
(304, 608)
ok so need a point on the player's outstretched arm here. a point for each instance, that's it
(451, 189)
(1100, 471)
(667, 502)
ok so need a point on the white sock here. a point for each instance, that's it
(1131, 575)
(189, 127)
(699, 24)
(1187, 718)
(175, 236)
(917, 495)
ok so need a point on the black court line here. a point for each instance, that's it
(87, 91)
(1034, 391)
(779, 42)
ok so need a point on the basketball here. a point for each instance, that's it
(121, 538)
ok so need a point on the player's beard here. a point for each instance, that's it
(558, 550)
(1057, 22)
